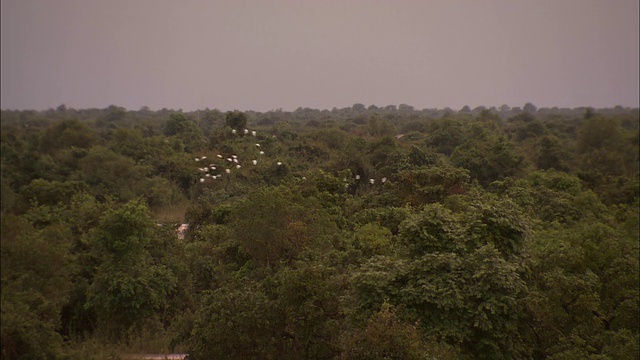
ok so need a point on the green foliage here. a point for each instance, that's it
(585, 292)
(380, 127)
(128, 285)
(52, 192)
(236, 120)
(36, 271)
(554, 196)
(177, 124)
(599, 132)
(385, 336)
(110, 174)
(422, 185)
(489, 238)
(66, 134)
(187, 131)
(373, 239)
(235, 324)
(445, 135)
(550, 154)
(487, 158)
(274, 225)
(290, 315)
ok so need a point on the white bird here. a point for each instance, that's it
(197, 159)
(227, 171)
(371, 181)
(253, 133)
(235, 161)
(213, 168)
(304, 178)
(357, 177)
(207, 175)
(219, 156)
(204, 157)
(261, 152)
(234, 156)
(201, 180)
(246, 131)
(233, 131)
(254, 162)
(238, 166)
(279, 163)
(384, 180)
(229, 159)
(258, 145)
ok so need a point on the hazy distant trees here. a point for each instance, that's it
(358, 107)
(529, 107)
(186, 130)
(236, 120)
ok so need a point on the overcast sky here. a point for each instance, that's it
(263, 55)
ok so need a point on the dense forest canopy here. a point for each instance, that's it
(356, 233)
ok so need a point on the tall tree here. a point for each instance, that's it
(236, 120)
(129, 287)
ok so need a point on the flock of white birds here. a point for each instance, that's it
(215, 171)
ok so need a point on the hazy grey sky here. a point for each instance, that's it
(263, 55)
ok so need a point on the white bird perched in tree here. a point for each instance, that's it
(258, 145)
(213, 167)
(238, 166)
(229, 159)
(261, 152)
(253, 133)
(201, 180)
(204, 157)
(371, 181)
(235, 160)
(384, 180)
(234, 156)
(246, 131)
(227, 171)
(219, 156)
(233, 131)
(279, 163)
(254, 162)
(357, 177)
(207, 175)
(197, 159)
